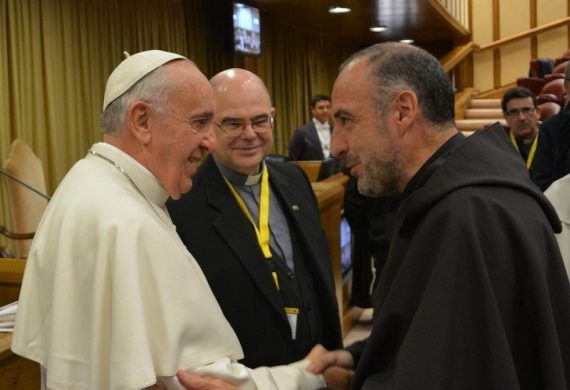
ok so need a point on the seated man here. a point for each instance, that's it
(521, 111)
(111, 298)
(254, 227)
(312, 140)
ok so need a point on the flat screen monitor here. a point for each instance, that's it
(246, 29)
(345, 246)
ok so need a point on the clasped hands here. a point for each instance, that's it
(336, 367)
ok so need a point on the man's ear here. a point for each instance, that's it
(406, 108)
(138, 116)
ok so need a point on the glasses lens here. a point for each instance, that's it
(517, 111)
(261, 124)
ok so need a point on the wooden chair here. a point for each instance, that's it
(5, 252)
(26, 206)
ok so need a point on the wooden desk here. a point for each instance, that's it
(11, 273)
(330, 197)
(311, 168)
(16, 372)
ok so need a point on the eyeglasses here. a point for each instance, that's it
(517, 111)
(233, 126)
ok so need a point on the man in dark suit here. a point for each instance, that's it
(522, 113)
(254, 228)
(312, 140)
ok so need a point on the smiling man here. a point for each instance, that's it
(522, 113)
(254, 227)
(312, 141)
(474, 294)
(111, 298)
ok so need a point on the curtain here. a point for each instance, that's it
(55, 57)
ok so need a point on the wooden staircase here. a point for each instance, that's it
(479, 114)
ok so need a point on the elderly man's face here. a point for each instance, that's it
(522, 117)
(248, 111)
(183, 132)
(362, 138)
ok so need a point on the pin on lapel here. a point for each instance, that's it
(294, 207)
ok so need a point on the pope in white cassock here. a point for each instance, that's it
(111, 298)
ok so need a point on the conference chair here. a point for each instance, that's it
(548, 109)
(560, 68)
(25, 204)
(7, 234)
(556, 88)
(534, 84)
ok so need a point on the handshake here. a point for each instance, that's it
(336, 366)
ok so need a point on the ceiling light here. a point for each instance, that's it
(339, 10)
(378, 28)
(409, 41)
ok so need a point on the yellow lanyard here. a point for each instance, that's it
(532, 151)
(262, 232)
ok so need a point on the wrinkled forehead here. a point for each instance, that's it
(249, 99)
(192, 94)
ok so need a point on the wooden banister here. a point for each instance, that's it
(449, 18)
(457, 55)
(526, 34)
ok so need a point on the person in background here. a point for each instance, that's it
(371, 221)
(312, 140)
(474, 294)
(111, 297)
(522, 113)
(254, 227)
(559, 195)
(553, 153)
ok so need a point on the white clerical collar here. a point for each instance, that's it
(144, 180)
(238, 178)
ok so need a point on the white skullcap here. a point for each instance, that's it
(132, 69)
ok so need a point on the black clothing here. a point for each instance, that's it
(371, 221)
(474, 293)
(305, 144)
(218, 234)
(553, 152)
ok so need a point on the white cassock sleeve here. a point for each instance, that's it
(287, 377)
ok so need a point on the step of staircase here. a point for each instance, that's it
(476, 124)
(483, 113)
(484, 103)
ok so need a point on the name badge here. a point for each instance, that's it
(292, 315)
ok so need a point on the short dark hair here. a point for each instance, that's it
(398, 66)
(518, 93)
(319, 98)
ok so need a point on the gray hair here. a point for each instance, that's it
(154, 88)
(397, 66)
